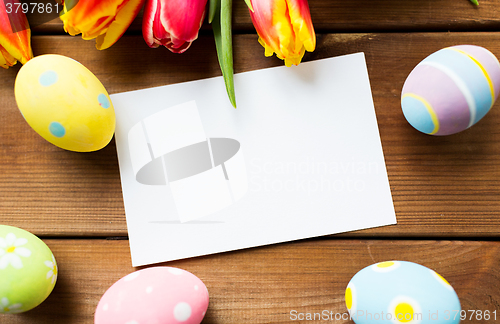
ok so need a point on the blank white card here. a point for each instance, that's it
(300, 157)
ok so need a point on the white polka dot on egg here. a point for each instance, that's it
(403, 309)
(182, 312)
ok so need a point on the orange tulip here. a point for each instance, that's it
(106, 20)
(172, 23)
(284, 27)
(15, 34)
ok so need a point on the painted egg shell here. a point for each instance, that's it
(451, 89)
(154, 295)
(28, 270)
(65, 103)
(401, 292)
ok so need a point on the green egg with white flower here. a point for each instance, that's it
(28, 270)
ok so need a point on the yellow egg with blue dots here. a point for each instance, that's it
(65, 103)
(394, 292)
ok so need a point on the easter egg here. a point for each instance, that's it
(394, 292)
(65, 103)
(28, 270)
(154, 295)
(451, 89)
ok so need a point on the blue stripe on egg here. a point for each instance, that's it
(48, 78)
(103, 101)
(418, 115)
(57, 129)
(470, 74)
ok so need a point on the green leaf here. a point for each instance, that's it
(212, 7)
(475, 2)
(221, 26)
(249, 4)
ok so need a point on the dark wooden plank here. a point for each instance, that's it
(263, 285)
(394, 15)
(441, 186)
(359, 16)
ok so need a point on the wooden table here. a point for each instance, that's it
(446, 190)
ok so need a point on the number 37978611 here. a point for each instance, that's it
(471, 314)
(32, 7)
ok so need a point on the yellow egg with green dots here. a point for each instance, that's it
(65, 103)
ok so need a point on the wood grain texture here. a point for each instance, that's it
(441, 186)
(262, 285)
(355, 16)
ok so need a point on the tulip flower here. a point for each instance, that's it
(172, 23)
(15, 35)
(284, 27)
(105, 20)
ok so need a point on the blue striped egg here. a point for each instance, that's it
(396, 292)
(451, 89)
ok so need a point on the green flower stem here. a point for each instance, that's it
(221, 25)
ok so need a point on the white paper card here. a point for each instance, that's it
(300, 157)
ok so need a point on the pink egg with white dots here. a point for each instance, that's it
(160, 295)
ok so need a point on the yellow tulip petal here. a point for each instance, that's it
(268, 50)
(101, 27)
(6, 60)
(106, 20)
(15, 37)
(302, 24)
(88, 21)
(285, 28)
(120, 24)
(262, 21)
(18, 45)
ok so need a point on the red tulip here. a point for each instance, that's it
(15, 34)
(106, 20)
(284, 28)
(172, 23)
